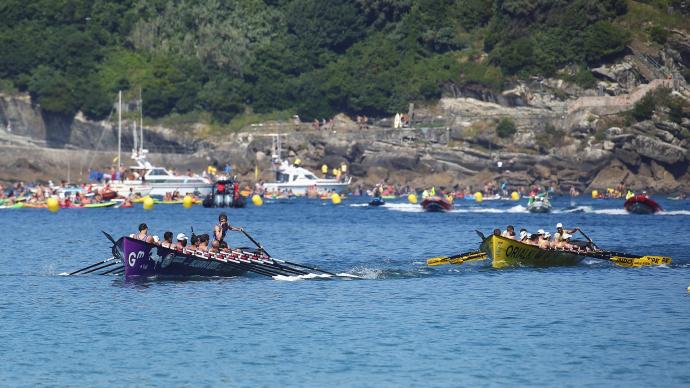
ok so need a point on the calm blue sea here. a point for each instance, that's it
(403, 324)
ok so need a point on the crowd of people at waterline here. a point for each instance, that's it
(213, 242)
(542, 239)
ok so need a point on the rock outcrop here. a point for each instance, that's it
(565, 136)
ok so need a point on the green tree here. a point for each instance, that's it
(644, 108)
(53, 92)
(222, 98)
(602, 40)
(505, 128)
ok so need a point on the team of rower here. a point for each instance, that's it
(198, 242)
(561, 239)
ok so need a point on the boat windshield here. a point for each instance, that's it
(158, 171)
(310, 177)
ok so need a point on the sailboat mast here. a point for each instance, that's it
(119, 130)
(141, 119)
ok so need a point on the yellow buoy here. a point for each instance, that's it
(335, 198)
(187, 201)
(595, 194)
(148, 203)
(256, 200)
(412, 198)
(53, 204)
(478, 196)
(688, 288)
(515, 196)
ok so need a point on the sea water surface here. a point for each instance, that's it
(402, 324)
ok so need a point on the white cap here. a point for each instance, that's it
(181, 236)
(156, 239)
(523, 234)
(566, 236)
(547, 235)
(559, 225)
(540, 231)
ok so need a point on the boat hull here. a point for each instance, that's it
(539, 208)
(505, 252)
(159, 190)
(141, 259)
(123, 188)
(301, 189)
(377, 202)
(436, 204)
(641, 204)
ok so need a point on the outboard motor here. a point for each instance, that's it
(218, 200)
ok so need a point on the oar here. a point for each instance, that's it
(588, 239)
(259, 269)
(627, 260)
(110, 264)
(116, 269)
(457, 259)
(109, 237)
(283, 261)
(624, 259)
(92, 265)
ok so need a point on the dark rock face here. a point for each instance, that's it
(658, 150)
(680, 43)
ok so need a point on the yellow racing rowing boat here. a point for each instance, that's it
(506, 252)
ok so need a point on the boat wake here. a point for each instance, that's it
(311, 276)
(674, 213)
(404, 207)
(514, 209)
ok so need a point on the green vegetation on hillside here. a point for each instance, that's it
(311, 57)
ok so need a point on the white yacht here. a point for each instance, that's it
(299, 180)
(149, 179)
(296, 179)
(160, 181)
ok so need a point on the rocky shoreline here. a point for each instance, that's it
(565, 136)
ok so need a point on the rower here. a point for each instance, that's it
(143, 234)
(509, 233)
(167, 240)
(203, 242)
(181, 241)
(194, 242)
(524, 235)
(558, 236)
(221, 229)
(565, 241)
(543, 242)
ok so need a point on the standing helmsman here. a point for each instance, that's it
(221, 229)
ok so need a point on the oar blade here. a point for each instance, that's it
(473, 257)
(456, 259)
(440, 260)
(644, 261)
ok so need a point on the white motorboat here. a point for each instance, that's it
(298, 180)
(160, 181)
(149, 179)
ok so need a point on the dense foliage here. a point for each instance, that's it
(312, 57)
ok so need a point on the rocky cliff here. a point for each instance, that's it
(565, 135)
